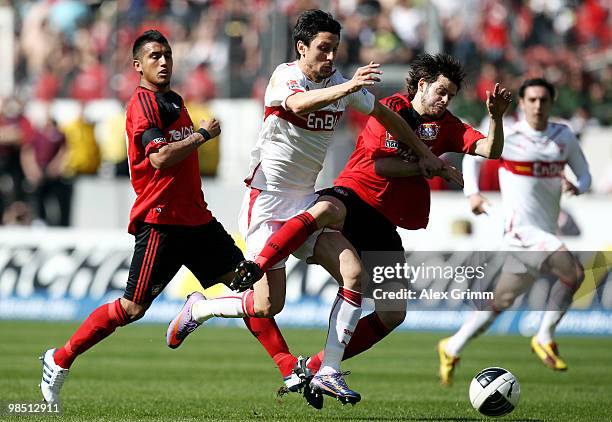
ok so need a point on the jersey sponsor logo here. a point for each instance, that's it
(535, 168)
(542, 169)
(428, 131)
(181, 133)
(322, 120)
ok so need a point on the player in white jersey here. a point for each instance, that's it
(304, 100)
(531, 183)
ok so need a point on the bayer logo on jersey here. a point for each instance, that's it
(494, 392)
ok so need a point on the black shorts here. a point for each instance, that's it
(208, 251)
(366, 228)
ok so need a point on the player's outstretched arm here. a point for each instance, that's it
(497, 104)
(401, 131)
(396, 167)
(173, 153)
(316, 99)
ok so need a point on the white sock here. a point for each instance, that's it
(343, 319)
(559, 300)
(236, 305)
(548, 326)
(476, 323)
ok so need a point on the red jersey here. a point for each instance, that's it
(403, 200)
(172, 195)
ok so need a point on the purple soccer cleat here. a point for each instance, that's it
(183, 324)
(334, 385)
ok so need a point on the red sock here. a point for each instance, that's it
(369, 331)
(286, 240)
(267, 332)
(98, 325)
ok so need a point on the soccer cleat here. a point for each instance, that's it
(548, 354)
(299, 377)
(447, 363)
(247, 273)
(334, 385)
(313, 396)
(183, 324)
(53, 377)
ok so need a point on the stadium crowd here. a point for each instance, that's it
(223, 49)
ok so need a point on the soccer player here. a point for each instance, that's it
(170, 220)
(304, 100)
(381, 174)
(531, 182)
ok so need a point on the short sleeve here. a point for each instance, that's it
(462, 136)
(282, 85)
(362, 101)
(146, 123)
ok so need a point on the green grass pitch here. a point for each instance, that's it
(224, 374)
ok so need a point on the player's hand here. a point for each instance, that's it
(211, 126)
(431, 166)
(498, 101)
(478, 204)
(451, 174)
(568, 188)
(365, 76)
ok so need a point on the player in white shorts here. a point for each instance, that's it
(303, 102)
(531, 182)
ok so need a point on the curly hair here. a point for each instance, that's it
(429, 67)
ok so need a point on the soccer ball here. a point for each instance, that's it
(494, 392)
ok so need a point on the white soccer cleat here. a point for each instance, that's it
(53, 377)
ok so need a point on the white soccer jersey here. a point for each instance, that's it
(291, 148)
(531, 174)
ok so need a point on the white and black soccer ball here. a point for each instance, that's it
(494, 392)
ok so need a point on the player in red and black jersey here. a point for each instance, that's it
(170, 220)
(383, 187)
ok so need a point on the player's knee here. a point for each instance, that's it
(574, 279)
(268, 308)
(331, 213)
(392, 319)
(353, 274)
(134, 311)
(503, 301)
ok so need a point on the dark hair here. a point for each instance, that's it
(537, 82)
(429, 67)
(151, 35)
(310, 23)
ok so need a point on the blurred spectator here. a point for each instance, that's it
(43, 162)
(83, 153)
(15, 131)
(69, 48)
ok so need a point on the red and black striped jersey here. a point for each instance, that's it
(172, 195)
(403, 200)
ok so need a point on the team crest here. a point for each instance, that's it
(428, 131)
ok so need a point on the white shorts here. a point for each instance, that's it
(528, 248)
(264, 212)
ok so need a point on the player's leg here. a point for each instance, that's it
(334, 253)
(214, 263)
(328, 211)
(508, 288)
(152, 267)
(570, 273)
(367, 230)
